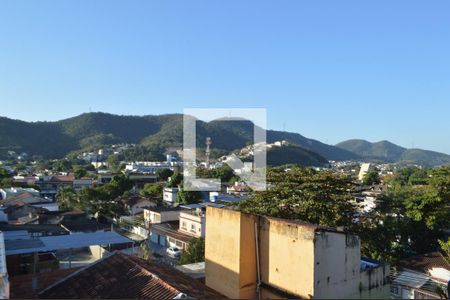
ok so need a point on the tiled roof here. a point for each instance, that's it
(425, 262)
(21, 286)
(63, 178)
(127, 277)
(21, 196)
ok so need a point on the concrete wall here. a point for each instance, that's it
(337, 263)
(300, 259)
(287, 256)
(97, 251)
(187, 220)
(230, 253)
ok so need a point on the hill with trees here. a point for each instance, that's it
(90, 130)
(385, 151)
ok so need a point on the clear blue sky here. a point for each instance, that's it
(330, 70)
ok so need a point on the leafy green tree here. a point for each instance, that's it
(163, 174)
(152, 190)
(79, 172)
(322, 198)
(113, 163)
(175, 180)
(409, 218)
(188, 197)
(371, 178)
(146, 251)
(4, 174)
(66, 197)
(445, 246)
(418, 177)
(6, 182)
(194, 253)
(62, 165)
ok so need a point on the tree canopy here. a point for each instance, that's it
(322, 198)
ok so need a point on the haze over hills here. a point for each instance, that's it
(57, 139)
(385, 151)
(160, 132)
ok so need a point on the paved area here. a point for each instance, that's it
(160, 255)
(74, 259)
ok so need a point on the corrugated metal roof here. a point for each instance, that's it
(52, 243)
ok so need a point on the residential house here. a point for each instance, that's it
(249, 256)
(21, 213)
(82, 183)
(170, 195)
(49, 185)
(424, 276)
(135, 205)
(23, 198)
(167, 234)
(14, 191)
(25, 180)
(161, 214)
(192, 222)
(122, 276)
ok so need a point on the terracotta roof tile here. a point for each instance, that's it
(21, 286)
(125, 276)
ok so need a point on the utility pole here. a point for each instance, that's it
(207, 152)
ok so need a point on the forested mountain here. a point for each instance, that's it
(56, 139)
(159, 132)
(385, 151)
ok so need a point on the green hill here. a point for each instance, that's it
(385, 151)
(90, 130)
(277, 156)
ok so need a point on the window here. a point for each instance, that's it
(183, 225)
(192, 227)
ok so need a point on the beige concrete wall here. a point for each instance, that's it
(188, 219)
(287, 256)
(296, 258)
(337, 264)
(97, 251)
(230, 253)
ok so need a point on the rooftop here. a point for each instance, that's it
(21, 286)
(423, 263)
(163, 208)
(122, 276)
(61, 242)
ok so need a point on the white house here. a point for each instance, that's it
(170, 195)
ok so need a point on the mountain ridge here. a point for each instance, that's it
(386, 151)
(55, 139)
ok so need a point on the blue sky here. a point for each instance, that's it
(330, 70)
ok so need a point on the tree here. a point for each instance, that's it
(321, 198)
(188, 197)
(371, 178)
(66, 197)
(62, 165)
(194, 253)
(152, 190)
(163, 174)
(445, 246)
(175, 180)
(113, 163)
(79, 172)
(146, 251)
(409, 218)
